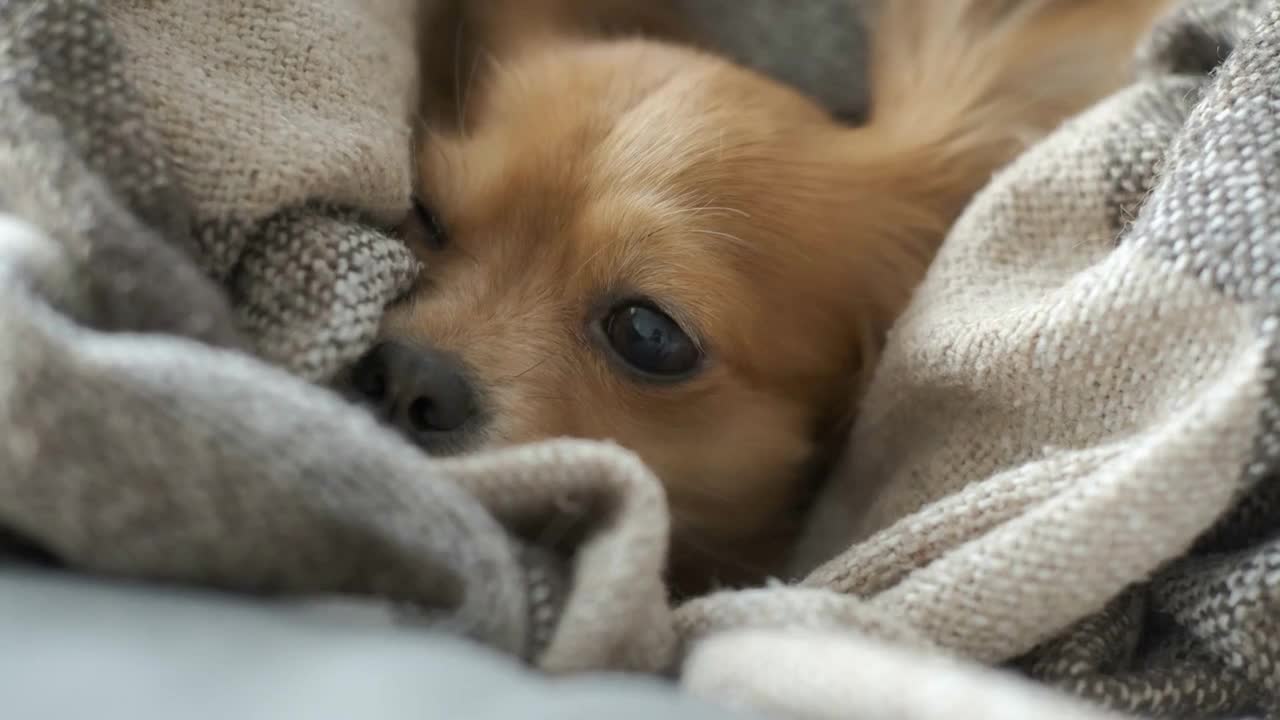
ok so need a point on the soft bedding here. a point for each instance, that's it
(1059, 500)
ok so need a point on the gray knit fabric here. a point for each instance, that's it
(1202, 638)
(1061, 482)
(137, 435)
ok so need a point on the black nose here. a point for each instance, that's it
(423, 392)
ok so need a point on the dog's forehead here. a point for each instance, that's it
(678, 125)
(684, 164)
(638, 108)
(558, 162)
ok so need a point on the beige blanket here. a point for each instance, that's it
(1061, 479)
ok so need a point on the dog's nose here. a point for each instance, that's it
(422, 391)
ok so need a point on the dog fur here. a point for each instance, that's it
(593, 153)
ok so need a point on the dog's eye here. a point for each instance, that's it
(432, 229)
(650, 341)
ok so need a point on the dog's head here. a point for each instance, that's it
(643, 243)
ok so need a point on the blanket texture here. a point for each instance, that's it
(1059, 500)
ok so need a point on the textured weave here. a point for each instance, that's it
(1065, 462)
(265, 108)
(137, 439)
(1061, 482)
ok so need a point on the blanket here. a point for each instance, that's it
(1066, 461)
(1058, 501)
(147, 653)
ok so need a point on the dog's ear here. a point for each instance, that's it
(459, 39)
(959, 88)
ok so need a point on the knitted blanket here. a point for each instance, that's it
(1061, 483)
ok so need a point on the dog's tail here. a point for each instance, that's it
(959, 87)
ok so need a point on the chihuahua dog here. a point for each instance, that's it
(627, 237)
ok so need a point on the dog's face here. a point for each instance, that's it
(645, 244)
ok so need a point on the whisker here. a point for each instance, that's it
(531, 368)
(600, 250)
(722, 235)
(717, 209)
(708, 210)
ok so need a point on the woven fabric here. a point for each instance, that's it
(1061, 482)
(1065, 463)
(163, 305)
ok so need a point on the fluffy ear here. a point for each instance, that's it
(959, 88)
(968, 75)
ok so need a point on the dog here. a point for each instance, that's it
(628, 237)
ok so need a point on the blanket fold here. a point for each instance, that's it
(1059, 500)
(1066, 460)
(137, 438)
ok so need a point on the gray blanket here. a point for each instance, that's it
(1061, 483)
(110, 651)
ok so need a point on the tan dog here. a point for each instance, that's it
(636, 240)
